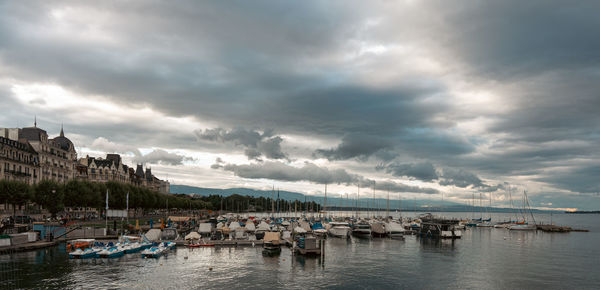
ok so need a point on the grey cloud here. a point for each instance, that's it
(160, 156)
(103, 144)
(313, 173)
(426, 171)
(422, 171)
(582, 179)
(460, 178)
(355, 146)
(256, 144)
(285, 66)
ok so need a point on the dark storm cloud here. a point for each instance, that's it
(291, 67)
(256, 143)
(426, 171)
(583, 179)
(313, 173)
(512, 39)
(422, 171)
(355, 146)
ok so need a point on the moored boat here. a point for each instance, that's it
(112, 252)
(84, 254)
(339, 229)
(361, 230)
(394, 230)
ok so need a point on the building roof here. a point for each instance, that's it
(17, 145)
(103, 162)
(140, 170)
(116, 158)
(32, 133)
(63, 142)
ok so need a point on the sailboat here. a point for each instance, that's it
(524, 226)
(487, 223)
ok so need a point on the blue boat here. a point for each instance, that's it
(112, 252)
(84, 254)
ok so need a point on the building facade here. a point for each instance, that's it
(57, 157)
(18, 161)
(28, 155)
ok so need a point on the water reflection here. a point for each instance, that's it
(483, 258)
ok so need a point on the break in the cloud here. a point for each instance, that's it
(103, 144)
(493, 91)
(256, 144)
(313, 173)
(157, 156)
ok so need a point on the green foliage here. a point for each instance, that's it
(76, 193)
(50, 195)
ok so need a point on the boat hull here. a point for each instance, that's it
(339, 232)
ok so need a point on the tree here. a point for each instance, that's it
(50, 195)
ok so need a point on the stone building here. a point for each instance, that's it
(18, 161)
(57, 157)
(104, 170)
(112, 169)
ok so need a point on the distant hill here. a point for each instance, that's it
(431, 205)
(331, 201)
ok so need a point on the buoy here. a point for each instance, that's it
(209, 268)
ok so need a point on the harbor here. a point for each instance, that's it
(214, 258)
(348, 262)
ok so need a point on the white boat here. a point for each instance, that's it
(131, 248)
(522, 227)
(250, 227)
(84, 254)
(112, 252)
(154, 252)
(394, 230)
(362, 230)
(339, 229)
(205, 229)
(378, 229)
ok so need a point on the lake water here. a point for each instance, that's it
(485, 258)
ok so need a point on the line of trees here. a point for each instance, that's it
(243, 203)
(54, 196)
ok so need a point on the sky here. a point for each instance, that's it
(442, 100)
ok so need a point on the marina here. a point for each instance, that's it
(259, 262)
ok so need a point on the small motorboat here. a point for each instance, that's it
(84, 254)
(271, 248)
(339, 229)
(362, 230)
(394, 230)
(133, 248)
(154, 252)
(524, 227)
(378, 229)
(318, 229)
(112, 252)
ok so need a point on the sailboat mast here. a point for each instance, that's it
(374, 212)
(325, 202)
(388, 204)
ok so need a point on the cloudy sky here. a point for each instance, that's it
(419, 98)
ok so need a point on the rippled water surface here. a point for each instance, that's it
(485, 258)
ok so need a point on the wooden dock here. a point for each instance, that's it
(28, 246)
